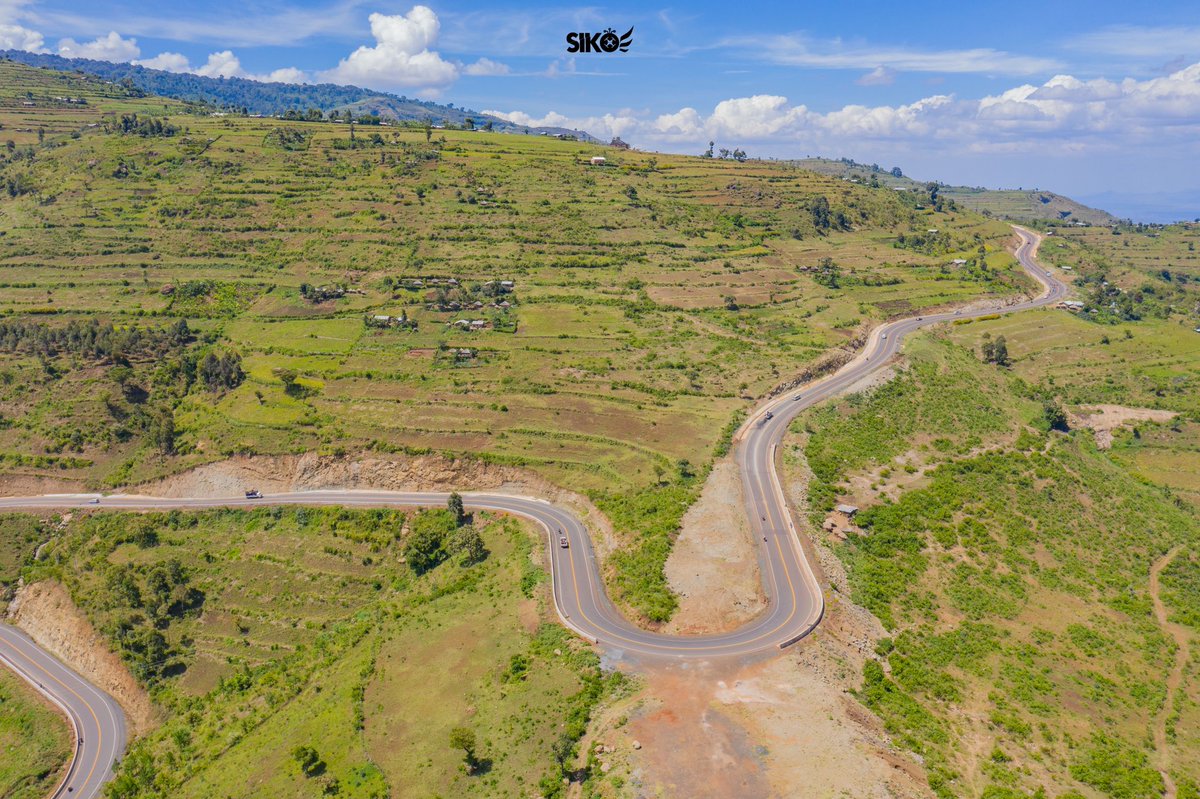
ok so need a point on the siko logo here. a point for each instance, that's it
(607, 42)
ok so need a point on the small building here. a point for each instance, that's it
(848, 511)
(598, 160)
(959, 262)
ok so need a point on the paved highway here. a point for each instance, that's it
(97, 721)
(797, 602)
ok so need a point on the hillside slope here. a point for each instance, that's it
(258, 97)
(253, 255)
(1016, 204)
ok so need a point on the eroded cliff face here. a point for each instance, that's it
(45, 611)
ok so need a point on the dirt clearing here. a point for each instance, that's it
(713, 566)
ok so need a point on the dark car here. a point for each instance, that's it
(254, 493)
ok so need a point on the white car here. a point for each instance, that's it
(563, 542)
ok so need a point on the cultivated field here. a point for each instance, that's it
(625, 314)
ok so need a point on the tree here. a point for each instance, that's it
(455, 505)
(310, 763)
(464, 738)
(709, 152)
(468, 545)
(819, 209)
(288, 377)
(1055, 416)
(427, 126)
(1000, 352)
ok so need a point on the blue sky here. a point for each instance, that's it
(1092, 100)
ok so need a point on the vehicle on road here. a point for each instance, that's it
(563, 542)
(94, 501)
(884, 336)
(254, 493)
(797, 398)
(769, 416)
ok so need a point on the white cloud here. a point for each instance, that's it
(802, 51)
(283, 75)
(223, 64)
(486, 67)
(18, 37)
(171, 62)
(401, 57)
(880, 76)
(103, 48)
(1064, 114)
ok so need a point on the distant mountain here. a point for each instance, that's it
(1015, 204)
(258, 97)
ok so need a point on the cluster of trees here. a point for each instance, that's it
(994, 350)
(218, 372)
(242, 95)
(828, 273)
(737, 154)
(824, 217)
(149, 599)
(155, 126)
(289, 138)
(321, 293)
(92, 339)
(439, 535)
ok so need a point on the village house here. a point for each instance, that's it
(598, 160)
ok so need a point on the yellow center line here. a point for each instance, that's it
(99, 729)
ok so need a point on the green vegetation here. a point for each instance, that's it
(1010, 563)
(34, 739)
(572, 320)
(322, 661)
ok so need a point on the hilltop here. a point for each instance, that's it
(258, 97)
(1020, 205)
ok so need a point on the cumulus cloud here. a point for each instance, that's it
(18, 37)
(171, 62)
(486, 67)
(223, 64)
(283, 75)
(401, 57)
(1065, 112)
(103, 48)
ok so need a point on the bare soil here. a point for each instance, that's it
(1102, 420)
(783, 727)
(713, 566)
(45, 611)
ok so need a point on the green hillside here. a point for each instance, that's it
(182, 287)
(1022, 205)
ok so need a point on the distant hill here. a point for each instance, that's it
(1015, 204)
(257, 97)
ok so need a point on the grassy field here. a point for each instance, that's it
(264, 632)
(34, 740)
(602, 367)
(1010, 562)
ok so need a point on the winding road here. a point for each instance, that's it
(796, 599)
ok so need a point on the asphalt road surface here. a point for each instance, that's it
(796, 605)
(98, 722)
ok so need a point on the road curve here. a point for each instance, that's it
(796, 600)
(97, 721)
